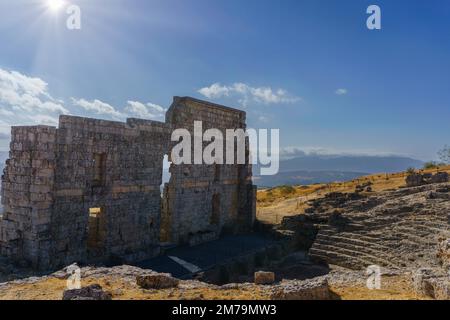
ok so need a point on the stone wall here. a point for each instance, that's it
(203, 201)
(127, 191)
(89, 190)
(27, 194)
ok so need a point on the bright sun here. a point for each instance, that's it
(55, 5)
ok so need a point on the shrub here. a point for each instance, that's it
(287, 189)
(430, 165)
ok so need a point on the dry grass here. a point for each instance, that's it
(393, 288)
(52, 289)
(275, 203)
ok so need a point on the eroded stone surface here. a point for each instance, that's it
(311, 289)
(444, 253)
(417, 179)
(89, 190)
(92, 292)
(432, 283)
(264, 277)
(397, 229)
(157, 281)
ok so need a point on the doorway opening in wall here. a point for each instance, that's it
(95, 231)
(215, 214)
(165, 232)
(165, 173)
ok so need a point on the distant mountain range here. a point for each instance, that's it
(305, 177)
(309, 169)
(370, 164)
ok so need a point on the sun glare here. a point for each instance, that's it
(55, 5)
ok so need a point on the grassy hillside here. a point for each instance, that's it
(275, 203)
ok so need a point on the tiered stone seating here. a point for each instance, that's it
(401, 231)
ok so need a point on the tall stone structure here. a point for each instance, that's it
(204, 200)
(89, 190)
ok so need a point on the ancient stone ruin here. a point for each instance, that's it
(417, 179)
(89, 190)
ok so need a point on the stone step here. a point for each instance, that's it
(357, 242)
(345, 260)
(413, 238)
(362, 236)
(339, 260)
(368, 254)
(411, 230)
(388, 224)
(428, 228)
(371, 259)
(371, 255)
(344, 263)
(422, 223)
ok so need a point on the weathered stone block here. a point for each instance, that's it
(157, 281)
(262, 277)
(312, 289)
(432, 283)
(92, 292)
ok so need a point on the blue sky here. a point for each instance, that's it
(310, 68)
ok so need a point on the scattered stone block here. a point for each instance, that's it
(157, 281)
(431, 283)
(263, 277)
(311, 289)
(417, 179)
(92, 292)
(440, 177)
(444, 253)
(414, 180)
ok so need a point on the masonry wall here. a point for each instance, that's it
(129, 194)
(50, 185)
(89, 190)
(27, 195)
(204, 201)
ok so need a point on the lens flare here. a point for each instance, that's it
(55, 5)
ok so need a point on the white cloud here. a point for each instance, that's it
(341, 91)
(98, 107)
(133, 109)
(19, 93)
(6, 113)
(21, 83)
(263, 119)
(146, 111)
(246, 93)
(214, 91)
(25, 100)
